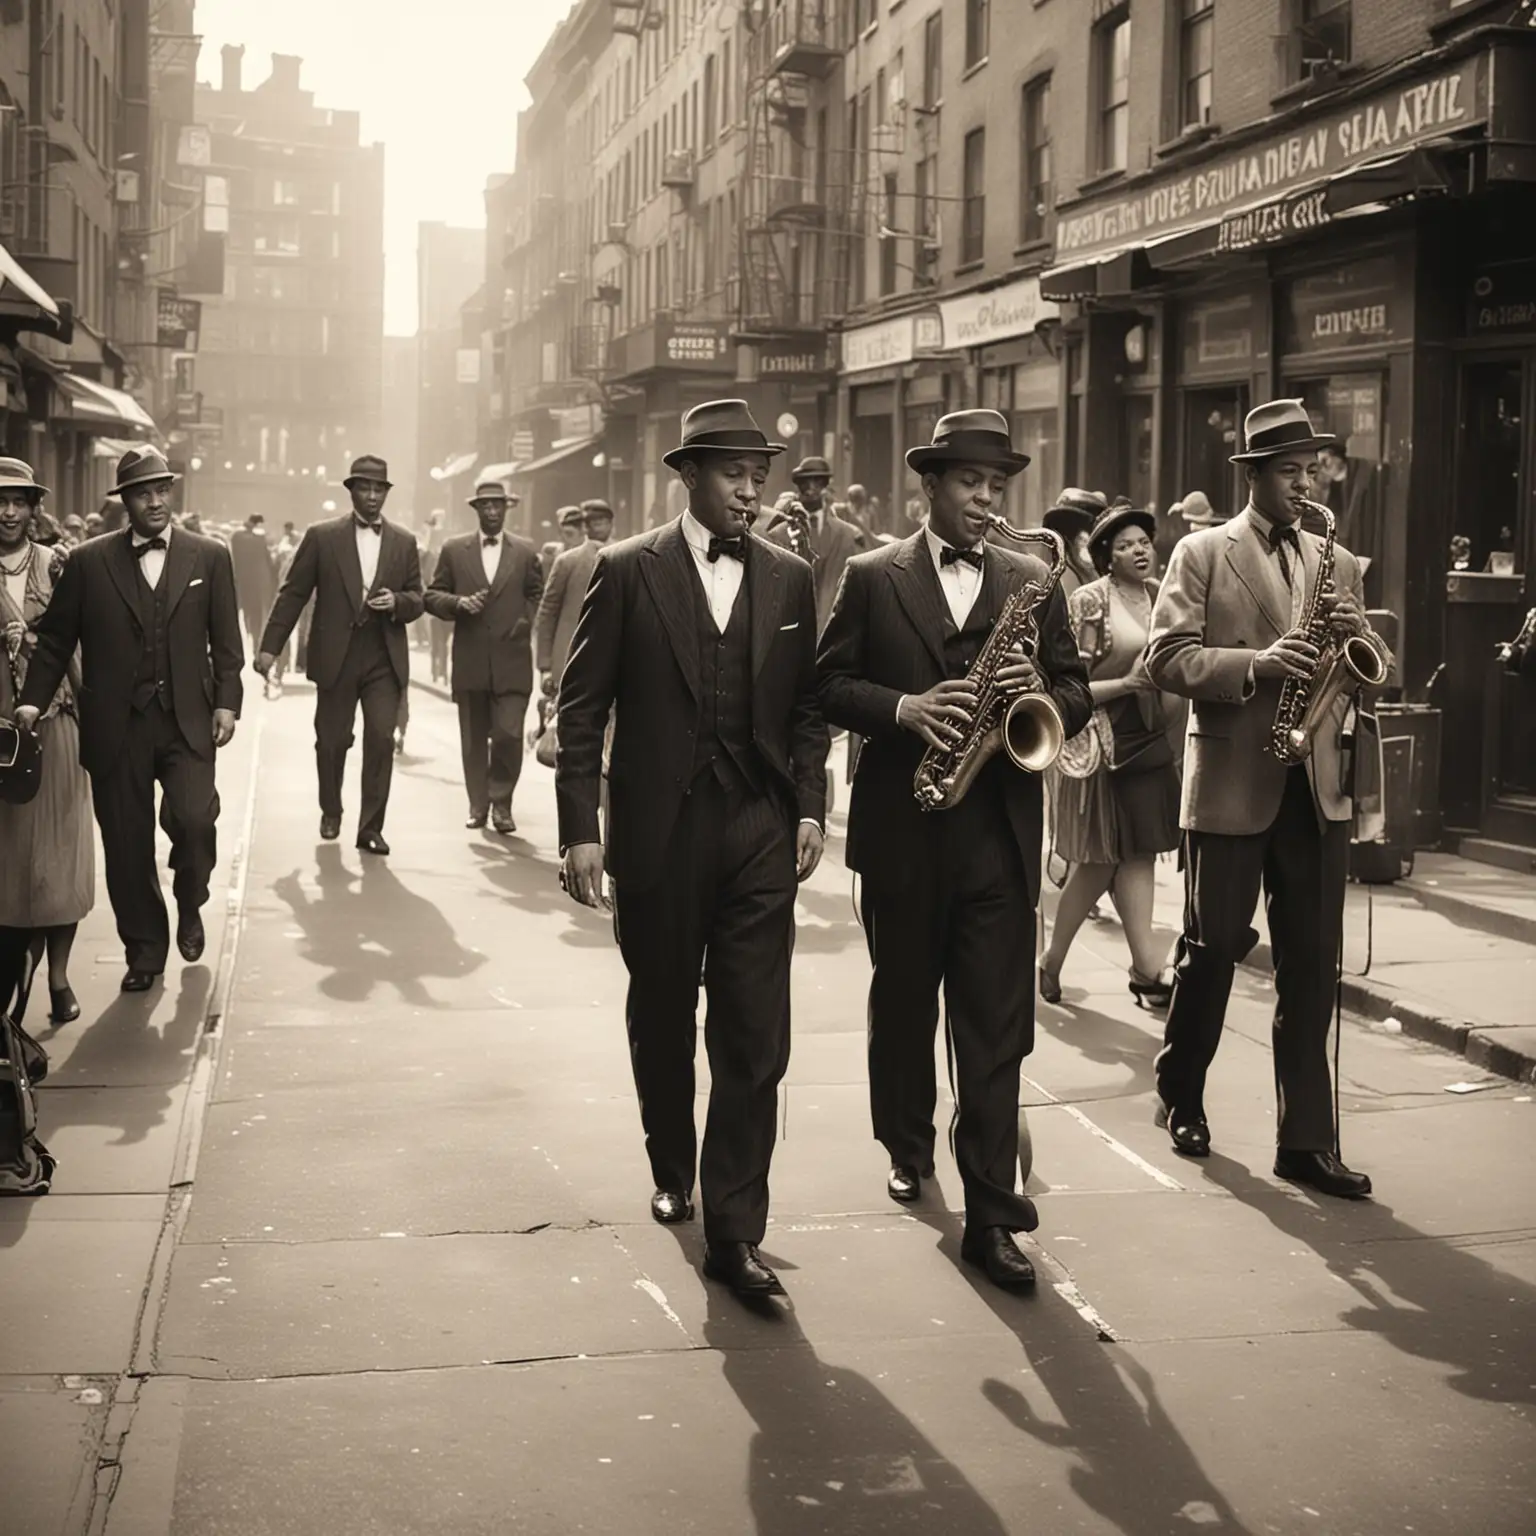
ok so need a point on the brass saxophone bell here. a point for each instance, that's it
(1033, 732)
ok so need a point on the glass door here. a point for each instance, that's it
(1213, 429)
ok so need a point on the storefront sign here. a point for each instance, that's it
(1278, 220)
(789, 358)
(693, 343)
(1503, 299)
(1234, 183)
(1218, 336)
(890, 342)
(1353, 306)
(177, 321)
(976, 319)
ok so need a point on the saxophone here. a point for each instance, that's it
(1342, 667)
(1028, 726)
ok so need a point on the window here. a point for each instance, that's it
(974, 195)
(1036, 196)
(888, 236)
(880, 94)
(978, 26)
(1321, 41)
(1112, 43)
(1197, 30)
(925, 248)
(866, 13)
(726, 105)
(933, 60)
(709, 102)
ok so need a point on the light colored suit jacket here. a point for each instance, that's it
(1221, 602)
(560, 607)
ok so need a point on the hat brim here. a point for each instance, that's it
(1126, 517)
(676, 457)
(1301, 445)
(510, 497)
(164, 477)
(351, 480)
(1069, 520)
(937, 459)
(7, 483)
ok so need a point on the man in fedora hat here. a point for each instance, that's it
(154, 615)
(829, 538)
(1225, 635)
(487, 586)
(704, 637)
(948, 897)
(566, 585)
(365, 577)
(1073, 517)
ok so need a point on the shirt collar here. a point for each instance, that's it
(936, 545)
(366, 527)
(1262, 524)
(697, 535)
(138, 539)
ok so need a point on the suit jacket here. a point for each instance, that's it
(1222, 601)
(255, 577)
(491, 650)
(832, 547)
(102, 604)
(560, 607)
(326, 566)
(637, 647)
(885, 639)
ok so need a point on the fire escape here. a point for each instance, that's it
(794, 213)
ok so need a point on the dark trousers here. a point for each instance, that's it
(727, 900)
(1301, 867)
(155, 751)
(439, 631)
(491, 741)
(367, 678)
(963, 922)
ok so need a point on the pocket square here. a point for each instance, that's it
(195, 582)
(783, 627)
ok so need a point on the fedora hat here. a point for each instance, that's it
(1109, 523)
(720, 426)
(369, 467)
(1196, 510)
(969, 437)
(492, 490)
(1281, 426)
(18, 475)
(1075, 511)
(813, 468)
(569, 517)
(139, 466)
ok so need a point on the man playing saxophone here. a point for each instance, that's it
(948, 895)
(1249, 627)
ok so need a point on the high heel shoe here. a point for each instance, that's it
(1157, 993)
(64, 1006)
(1050, 984)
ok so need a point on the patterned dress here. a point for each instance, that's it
(47, 847)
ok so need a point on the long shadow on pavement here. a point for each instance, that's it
(1104, 1040)
(1133, 1466)
(532, 884)
(1423, 1295)
(369, 928)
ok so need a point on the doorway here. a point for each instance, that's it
(1213, 425)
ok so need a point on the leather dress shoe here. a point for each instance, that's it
(371, 842)
(501, 821)
(903, 1183)
(330, 828)
(993, 1250)
(64, 1005)
(190, 938)
(1190, 1135)
(476, 821)
(1324, 1172)
(136, 980)
(671, 1206)
(740, 1266)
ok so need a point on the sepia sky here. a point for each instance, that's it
(440, 85)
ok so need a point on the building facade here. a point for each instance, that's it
(450, 270)
(292, 347)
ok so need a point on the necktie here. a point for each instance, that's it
(949, 555)
(735, 548)
(1281, 534)
(140, 550)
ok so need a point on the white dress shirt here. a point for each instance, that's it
(152, 565)
(722, 578)
(490, 559)
(960, 583)
(369, 542)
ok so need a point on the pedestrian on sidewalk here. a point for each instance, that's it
(948, 896)
(153, 614)
(47, 851)
(1111, 824)
(255, 575)
(565, 585)
(704, 637)
(1226, 635)
(365, 577)
(487, 585)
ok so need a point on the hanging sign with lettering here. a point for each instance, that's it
(1353, 306)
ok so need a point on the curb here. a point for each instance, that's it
(1471, 914)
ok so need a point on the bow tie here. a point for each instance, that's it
(949, 555)
(490, 541)
(140, 550)
(1284, 533)
(367, 527)
(736, 548)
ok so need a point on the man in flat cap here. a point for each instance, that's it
(365, 576)
(487, 586)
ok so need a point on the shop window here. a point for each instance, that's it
(1136, 448)
(933, 60)
(1037, 196)
(1319, 41)
(974, 197)
(1112, 58)
(1487, 503)
(1213, 420)
(1197, 33)
(978, 30)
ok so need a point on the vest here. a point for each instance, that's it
(152, 675)
(724, 743)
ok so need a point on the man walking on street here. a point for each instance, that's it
(704, 637)
(487, 586)
(828, 540)
(365, 577)
(153, 612)
(255, 579)
(565, 585)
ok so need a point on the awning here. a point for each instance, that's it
(1122, 271)
(451, 469)
(1417, 173)
(499, 471)
(18, 277)
(92, 403)
(113, 447)
(559, 453)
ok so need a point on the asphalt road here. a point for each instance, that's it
(416, 1289)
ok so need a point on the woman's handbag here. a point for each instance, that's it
(1093, 747)
(21, 755)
